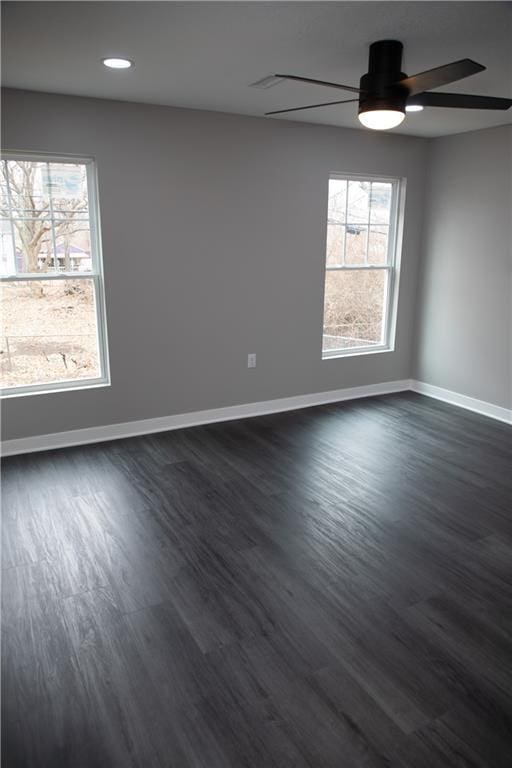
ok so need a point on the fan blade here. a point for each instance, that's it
(310, 106)
(322, 82)
(460, 101)
(434, 78)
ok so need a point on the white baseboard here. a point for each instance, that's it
(229, 413)
(178, 421)
(463, 401)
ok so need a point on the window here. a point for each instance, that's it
(361, 272)
(53, 333)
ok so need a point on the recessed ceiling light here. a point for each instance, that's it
(414, 108)
(117, 63)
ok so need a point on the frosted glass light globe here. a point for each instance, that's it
(381, 119)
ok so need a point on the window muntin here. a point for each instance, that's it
(361, 265)
(53, 332)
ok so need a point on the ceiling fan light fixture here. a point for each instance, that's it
(381, 119)
(386, 93)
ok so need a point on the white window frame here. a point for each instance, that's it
(96, 275)
(392, 266)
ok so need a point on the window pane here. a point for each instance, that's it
(33, 245)
(335, 240)
(354, 308)
(25, 188)
(358, 202)
(337, 200)
(357, 237)
(49, 332)
(7, 264)
(66, 184)
(74, 248)
(380, 200)
(378, 244)
(4, 197)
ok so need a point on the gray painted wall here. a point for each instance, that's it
(213, 237)
(464, 324)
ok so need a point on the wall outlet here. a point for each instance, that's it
(251, 360)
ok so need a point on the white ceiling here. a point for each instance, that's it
(205, 55)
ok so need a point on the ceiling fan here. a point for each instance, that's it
(386, 93)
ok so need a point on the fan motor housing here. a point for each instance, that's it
(379, 85)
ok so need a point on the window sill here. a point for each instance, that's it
(335, 354)
(44, 389)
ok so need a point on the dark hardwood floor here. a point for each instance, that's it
(322, 588)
